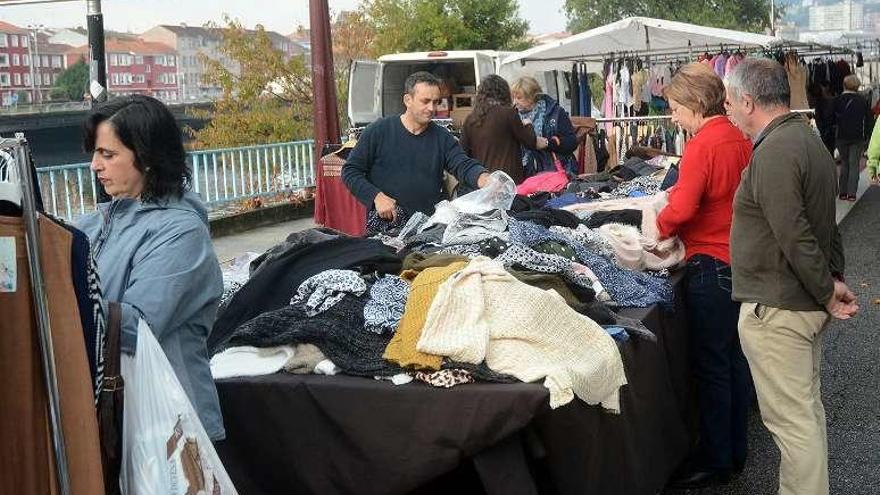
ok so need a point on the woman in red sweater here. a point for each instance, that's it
(699, 212)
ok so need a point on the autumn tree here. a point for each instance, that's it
(743, 15)
(266, 96)
(424, 25)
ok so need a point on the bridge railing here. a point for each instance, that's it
(220, 176)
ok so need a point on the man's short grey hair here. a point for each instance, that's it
(409, 86)
(762, 79)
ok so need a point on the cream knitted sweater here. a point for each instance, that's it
(484, 313)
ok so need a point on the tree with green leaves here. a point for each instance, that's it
(266, 96)
(72, 83)
(742, 15)
(424, 25)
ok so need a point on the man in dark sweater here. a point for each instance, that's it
(787, 265)
(400, 160)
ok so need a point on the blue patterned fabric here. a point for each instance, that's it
(626, 287)
(383, 311)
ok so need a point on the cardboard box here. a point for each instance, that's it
(464, 100)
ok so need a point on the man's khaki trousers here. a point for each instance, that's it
(784, 351)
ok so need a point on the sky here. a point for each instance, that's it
(282, 16)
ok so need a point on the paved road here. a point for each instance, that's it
(850, 379)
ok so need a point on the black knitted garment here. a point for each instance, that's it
(339, 332)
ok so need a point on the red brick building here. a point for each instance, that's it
(137, 67)
(15, 65)
(28, 70)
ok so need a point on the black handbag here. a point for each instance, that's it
(110, 403)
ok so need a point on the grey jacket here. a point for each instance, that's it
(157, 260)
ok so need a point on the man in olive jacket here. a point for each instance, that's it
(787, 263)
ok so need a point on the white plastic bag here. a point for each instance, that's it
(497, 195)
(165, 450)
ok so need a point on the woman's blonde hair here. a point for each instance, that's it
(527, 86)
(698, 88)
(851, 83)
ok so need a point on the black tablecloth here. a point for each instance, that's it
(290, 434)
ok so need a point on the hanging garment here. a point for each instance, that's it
(797, 80)
(484, 313)
(586, 94)
(575, 91)
(28, 468)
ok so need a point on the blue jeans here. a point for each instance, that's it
(721, 372)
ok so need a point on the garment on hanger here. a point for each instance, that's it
(25, 414)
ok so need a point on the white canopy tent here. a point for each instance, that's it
(633, 34)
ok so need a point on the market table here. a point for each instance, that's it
(290, 434)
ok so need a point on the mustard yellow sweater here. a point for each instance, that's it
(402, 348)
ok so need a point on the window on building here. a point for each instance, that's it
(54, 78)
(17, 79)
(139, 78)
(56, 61)
(114, 78)
(4, 41)
(24, 41)
(171, 60)
(4, 79)
(45, 60)
(114, 61)
(27, 79)
(26, 60)
(147, 69)
(14, 40)
(16, 59)
(139, 59)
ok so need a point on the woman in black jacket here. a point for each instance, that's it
(854, 124)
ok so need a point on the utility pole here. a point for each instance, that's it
(97, 57)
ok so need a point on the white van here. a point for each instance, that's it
(375, 88)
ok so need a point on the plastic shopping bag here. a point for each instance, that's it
(497, 195)
(165, 450)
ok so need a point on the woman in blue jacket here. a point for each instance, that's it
(151, 241)
(552, 126)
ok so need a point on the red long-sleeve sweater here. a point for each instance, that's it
(700, 208)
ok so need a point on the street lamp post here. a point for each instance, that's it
(35, 30)
(32, 61)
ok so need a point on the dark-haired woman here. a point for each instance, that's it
(493, 132)
(151, 241)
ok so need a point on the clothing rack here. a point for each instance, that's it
(611, 120)
(19, 149)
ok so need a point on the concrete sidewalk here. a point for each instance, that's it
(257, 240)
